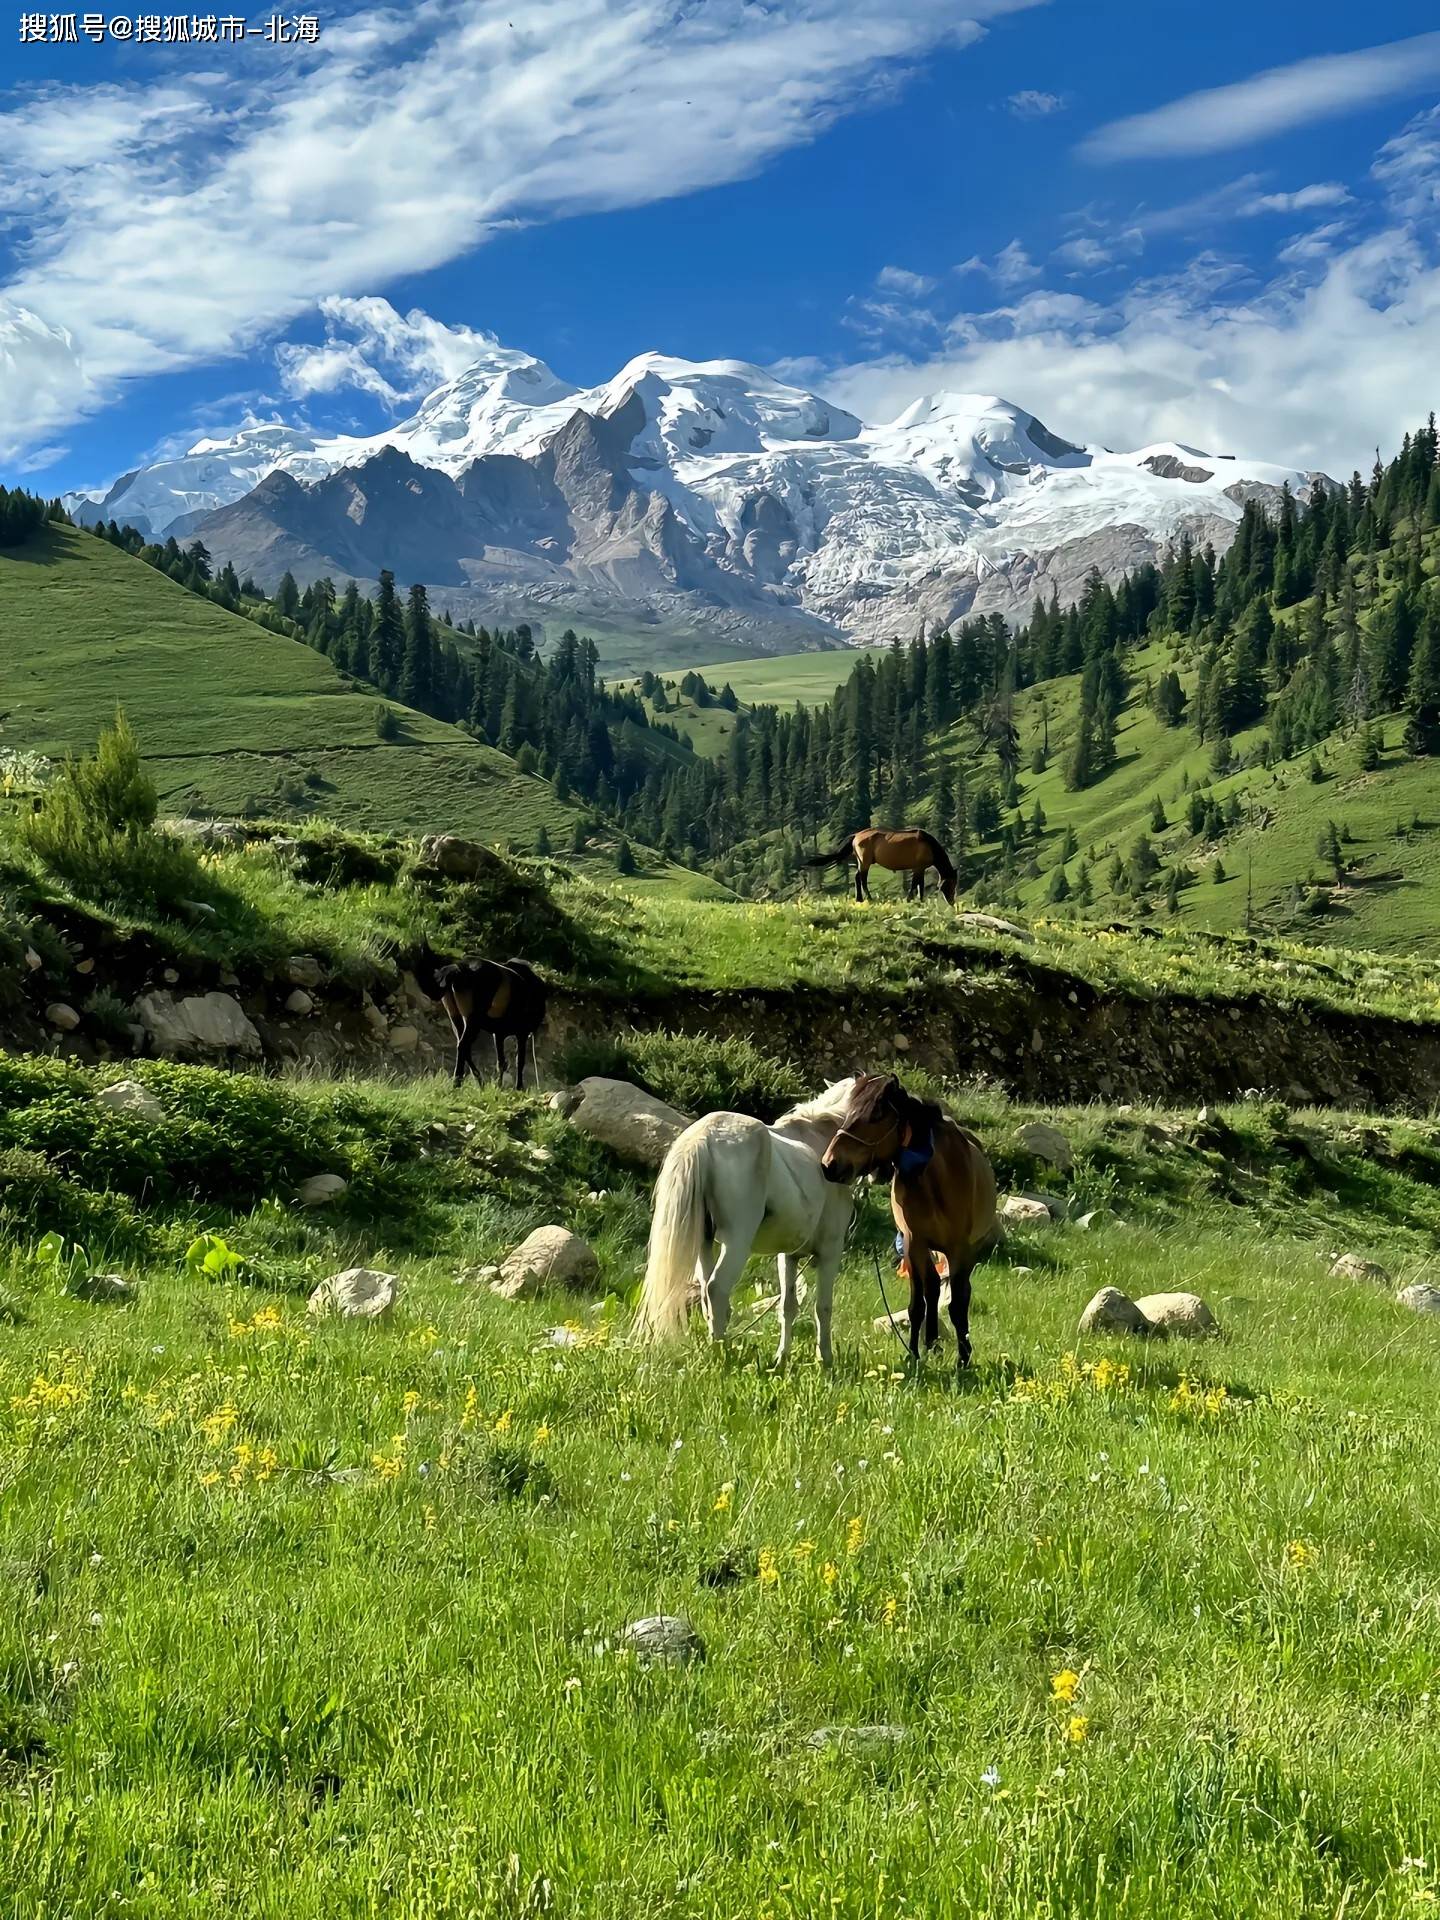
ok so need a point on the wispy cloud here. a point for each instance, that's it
(1308, 363)
(901, 280)
(1011, 267)
(1272, 102)
(161, 224)
(1031, 104)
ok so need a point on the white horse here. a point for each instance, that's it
(730, 1186)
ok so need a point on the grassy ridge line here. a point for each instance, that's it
(221, 706)
(307, 1571)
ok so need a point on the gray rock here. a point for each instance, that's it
(1420, 1299)
(1351, 1266)
(663, 1638)
(565, 1100)
(104, 1289)
(631, 1123)
(199, 910)
(459, 859)
(320, 1189)
(128, 1096)
(404, 1039)
(1112, 1311)
(1047, 1143)
(550, 1256)
(1182, 1314)
(62, 1017)
(304, 970)
(299, 1002)
(992, 923)
(359, 1293)
(1018, 1211)
(1096, 1217)
(203, 1023)
(33, 960)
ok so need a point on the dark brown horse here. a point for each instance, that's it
(942, 1194)
(900, 850)
(485, 996)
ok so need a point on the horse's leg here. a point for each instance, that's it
(827, 1265)
(859, 878)
(724, 1276)
(499, 1040)
(457, 1027)
(519, 1061)
(960, 1270)
(789, 1303)
(916, 1258)
(920, 883)
(932, 1305)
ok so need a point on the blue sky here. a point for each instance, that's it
(878, 198)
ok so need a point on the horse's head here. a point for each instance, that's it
(872, 1129)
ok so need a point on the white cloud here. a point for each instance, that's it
(1325, 193)
(414, 352)
(1031, 104)
(1271, 102)
(1013, 266)
(170, 223)
(900, 280)
(1311, 372)
(40, 368)
(1083, 253)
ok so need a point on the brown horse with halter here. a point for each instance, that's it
(485, 996)
(899, 850)
(942, 1194)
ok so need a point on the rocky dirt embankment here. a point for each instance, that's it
(1041, 1034)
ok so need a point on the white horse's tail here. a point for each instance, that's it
(677, 1236)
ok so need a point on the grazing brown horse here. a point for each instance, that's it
(485, 996)
(900, 850)
(942, 1194)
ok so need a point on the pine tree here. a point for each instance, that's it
(1158, 822)
(387, 638)
(1172, 891)
(1059, 887)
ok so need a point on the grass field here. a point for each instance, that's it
(311, 1620)
(807, 678)
(1389, 904)
(233, 717)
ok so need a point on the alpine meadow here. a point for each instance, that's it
(720, 1060)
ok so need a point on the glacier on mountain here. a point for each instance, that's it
(711, 491)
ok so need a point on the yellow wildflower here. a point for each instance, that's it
(1065, 1685)
(472, 1405)
(542, 1434)
(854, 1535)
(215, 1426)
(1077, 1729)
(211, 1479)
(830, 1573)
(768, 1568)
(502, 1424)
(410, 1402)
(1299, 1553)
(722, 1498)
(803, 1549)
(889, 1611)
(390, 1465)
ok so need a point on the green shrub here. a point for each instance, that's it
(108, 1015)
(95, 829)
(695, 1072)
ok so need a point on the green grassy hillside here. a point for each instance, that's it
(232, 718)
(1390, 899)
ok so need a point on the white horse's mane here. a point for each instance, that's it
(829, 1105)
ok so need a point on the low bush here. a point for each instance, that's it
(695, 1072)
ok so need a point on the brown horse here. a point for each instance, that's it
(900, 850)
(942, 1194)
(485, 996)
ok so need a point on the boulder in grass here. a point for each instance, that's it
(459, 859)
(359, 1293)
(1018, 1210)
(627, 1120)
(1420, 1299)
(321, 1189)
(299, 1002)
(1352, 1266)
(666, 1639)
(103, 1289)
(1047, 1143)
(1112, 1311)
(551, 1256)
(128, 1096)
(62, 1017)
(1184, 1315)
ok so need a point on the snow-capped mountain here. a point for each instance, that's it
(706, 493)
